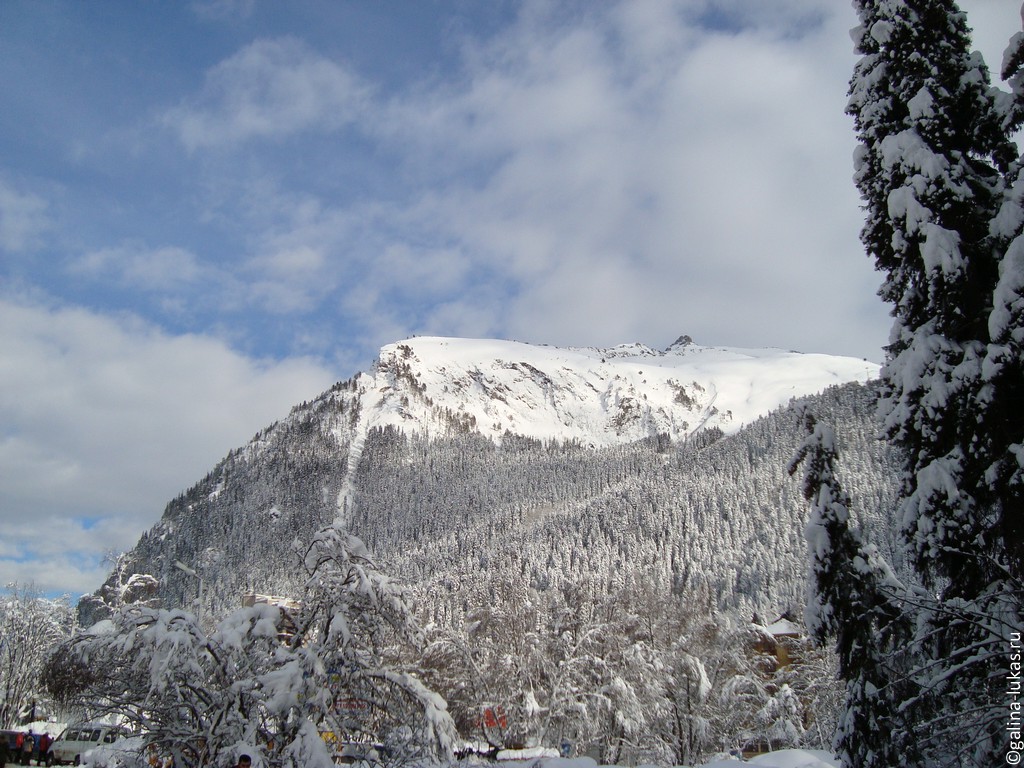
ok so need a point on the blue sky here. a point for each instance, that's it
(210, 211)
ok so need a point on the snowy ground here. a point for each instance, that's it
(786, 758)
(535, 758)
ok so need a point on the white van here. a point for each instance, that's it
(79, 739)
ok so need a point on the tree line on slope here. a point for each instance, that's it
(718, 518)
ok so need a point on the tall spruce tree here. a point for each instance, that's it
(937, 171)
(1004, 361)
(854, 599)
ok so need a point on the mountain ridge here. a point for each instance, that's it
(541, 434)
(600, 396)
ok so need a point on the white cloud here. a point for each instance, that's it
(23, 219)
(699, 184)
(108, 418)
(709, 169)
(425, 275)
(269, 89)
(163, 269)
(55, 575)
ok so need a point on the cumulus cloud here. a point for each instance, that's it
(269, 89)
(694, 170)
(696, 182)
(104, 414)
(698, 145)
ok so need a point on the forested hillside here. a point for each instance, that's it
(484, 459)
(449, 513)
(560, 585)
(714, 516)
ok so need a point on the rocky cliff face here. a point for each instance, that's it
(599, 397)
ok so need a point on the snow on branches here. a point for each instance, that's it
(939, 173)
(854, 598)
(276, 683)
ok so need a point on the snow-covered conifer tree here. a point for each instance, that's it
(852, 598)
(1003, 368)
(934, 164)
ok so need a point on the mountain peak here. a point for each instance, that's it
(599, 396)
(682, 341)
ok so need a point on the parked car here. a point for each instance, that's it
(71, 745)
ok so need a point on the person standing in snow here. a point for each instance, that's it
(44, 746)
(27, 745)
(244, 761)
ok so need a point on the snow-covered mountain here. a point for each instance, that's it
(597, 396)
(447, 448)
